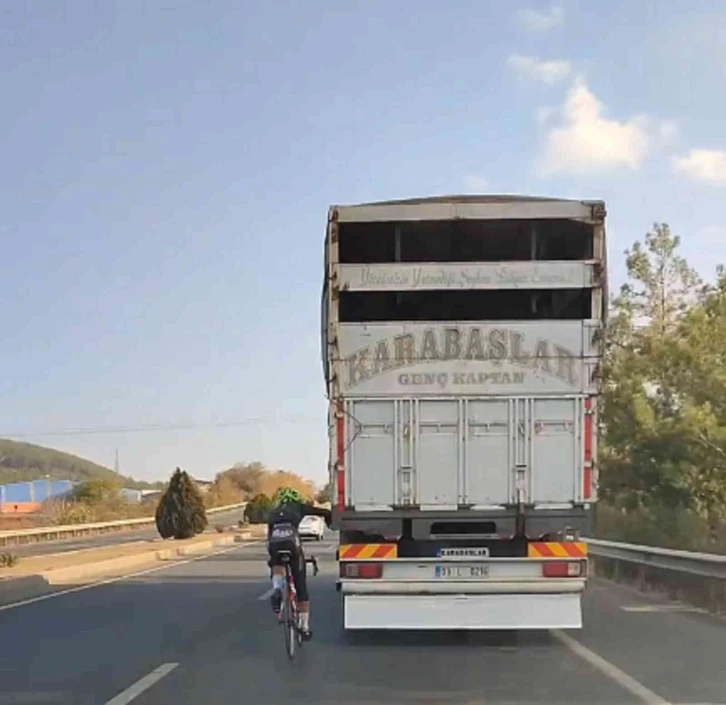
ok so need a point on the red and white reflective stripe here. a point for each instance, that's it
(587, 467)
(340, 466)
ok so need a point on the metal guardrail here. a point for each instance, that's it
(52, 533)
(708, 565)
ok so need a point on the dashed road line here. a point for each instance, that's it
(143, 684)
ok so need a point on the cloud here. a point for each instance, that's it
(544, 113)
(548, 72)
(705, 165)
(586, 141)
(668, 131)
(536, 21)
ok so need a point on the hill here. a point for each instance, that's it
(21, 462)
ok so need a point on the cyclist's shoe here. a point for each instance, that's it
(307, 634)
(276, 601)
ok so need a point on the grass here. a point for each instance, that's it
(661, 526)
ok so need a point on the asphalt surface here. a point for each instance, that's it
(111, 539)
(202, 632)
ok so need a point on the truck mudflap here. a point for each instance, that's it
(542, 590)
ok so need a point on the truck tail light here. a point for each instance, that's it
(562, 569)
(361, 570)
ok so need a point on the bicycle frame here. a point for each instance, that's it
(288, 615)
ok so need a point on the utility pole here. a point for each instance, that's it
(116, 465)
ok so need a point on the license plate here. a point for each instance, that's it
(461, 571)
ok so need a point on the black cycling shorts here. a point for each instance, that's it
(298, 567)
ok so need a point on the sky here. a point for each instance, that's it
(168, 166)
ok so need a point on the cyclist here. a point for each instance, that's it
(282, 535)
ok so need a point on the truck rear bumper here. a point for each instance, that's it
(463, 588)
(471, 611)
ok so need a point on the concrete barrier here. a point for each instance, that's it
(54, 533)
(25, 586)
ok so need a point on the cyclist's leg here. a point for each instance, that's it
(278, 576)
(299, 574)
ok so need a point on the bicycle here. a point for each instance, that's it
(288, 615)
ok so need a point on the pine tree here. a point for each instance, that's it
(180, 513)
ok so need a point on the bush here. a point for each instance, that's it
(8, 560)
(74, 513)
(660, 526)
(258, 509)
(99, 491)
(180, 513)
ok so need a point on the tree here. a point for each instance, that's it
(223, 492)
(246, 476)
(257, 509)
(97, 491)
(254, 478)
(325, 495)
(664, 397)
(662, 284)
(274, 481)
(698, 359)
(180, 513)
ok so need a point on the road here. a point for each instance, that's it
(202, 632)
(110, 539)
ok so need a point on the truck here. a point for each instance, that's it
(462, 340)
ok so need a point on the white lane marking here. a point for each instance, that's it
(126, 576)
(266, 594)
(134, 690)
(675, 607)
(610, 670)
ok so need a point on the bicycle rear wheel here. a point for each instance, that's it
(289, 621)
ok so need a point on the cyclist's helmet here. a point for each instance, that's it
(288, 494)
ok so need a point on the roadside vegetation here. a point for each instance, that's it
(663, 444)
(95, 500)
(254, 478)
(101, 499)
(8, 560)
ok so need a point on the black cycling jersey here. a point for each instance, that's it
(292, 513)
